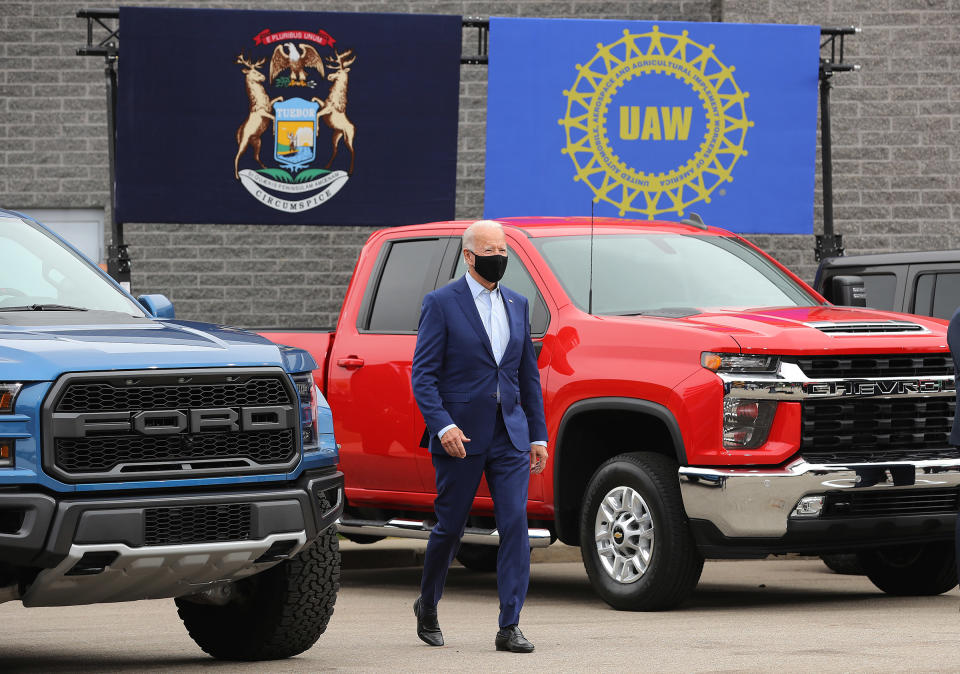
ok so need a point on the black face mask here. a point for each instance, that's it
(490, 267)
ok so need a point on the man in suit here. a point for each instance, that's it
(476, 383)
(953, 341)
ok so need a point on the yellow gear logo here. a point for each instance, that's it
(632, 58)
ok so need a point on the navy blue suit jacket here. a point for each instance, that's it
(455, 375)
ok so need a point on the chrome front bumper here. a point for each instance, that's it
(760, 503)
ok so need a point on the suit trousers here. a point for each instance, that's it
(508, 476)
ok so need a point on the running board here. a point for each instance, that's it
(399, 528)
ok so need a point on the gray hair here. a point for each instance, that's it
(469, 234)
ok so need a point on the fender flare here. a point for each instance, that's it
(614, 403)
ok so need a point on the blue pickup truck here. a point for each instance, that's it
(144, 457)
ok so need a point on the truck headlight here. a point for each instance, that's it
(8, 400)
(8, 396)
(746, 423)
(738, 362)
(309, 394)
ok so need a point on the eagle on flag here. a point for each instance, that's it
(288, 56)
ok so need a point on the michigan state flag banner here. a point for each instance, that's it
(230, 116)
(653, 120)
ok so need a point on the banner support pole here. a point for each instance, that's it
(118, 259)
(829, 244)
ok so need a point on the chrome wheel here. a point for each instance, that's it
(623, 532)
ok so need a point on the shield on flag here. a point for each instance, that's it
(295, 133)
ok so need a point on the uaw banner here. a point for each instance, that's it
(228, 116)
(653, 120)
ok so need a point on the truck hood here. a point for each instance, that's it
(39, 346)
(806, 330)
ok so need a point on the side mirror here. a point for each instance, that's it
(848, 291)
(157, 306)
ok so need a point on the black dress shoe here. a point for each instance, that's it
(510, 638)
(428, 629)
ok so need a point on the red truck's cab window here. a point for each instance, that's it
(408, 272)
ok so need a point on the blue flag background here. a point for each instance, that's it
(196, 86)
(653, 120)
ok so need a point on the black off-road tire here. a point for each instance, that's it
(919, 570)
(478, 557)
(275, 614)
(675, 564)
(846, 563)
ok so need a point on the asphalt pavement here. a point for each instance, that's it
(781, 614)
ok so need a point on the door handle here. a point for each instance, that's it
(350, 363)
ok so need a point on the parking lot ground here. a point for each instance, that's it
(780, 614)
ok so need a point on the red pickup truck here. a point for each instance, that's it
(701, 400)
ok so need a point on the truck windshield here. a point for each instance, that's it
(645, 272)
(37, 271)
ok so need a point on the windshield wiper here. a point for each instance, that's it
(662, 312)
(43, 307)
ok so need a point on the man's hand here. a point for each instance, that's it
(538, 458)
(452, 442)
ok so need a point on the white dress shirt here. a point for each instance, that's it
(493, 315)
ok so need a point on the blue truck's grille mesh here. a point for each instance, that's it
(197, 524)
(89, 451)
(103, 454)
(102, 396)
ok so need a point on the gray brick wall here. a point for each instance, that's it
(896, 146)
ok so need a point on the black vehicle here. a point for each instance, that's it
(919, 282)
(922, 282)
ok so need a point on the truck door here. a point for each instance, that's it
(379, 425)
